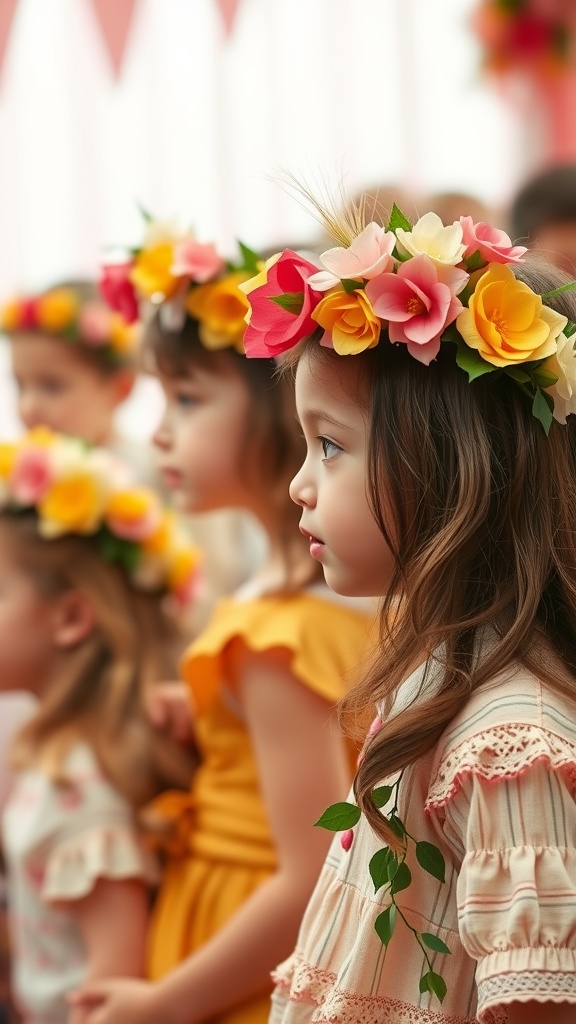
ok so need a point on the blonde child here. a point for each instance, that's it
(86, 562)
(262, 678)
(440, 473)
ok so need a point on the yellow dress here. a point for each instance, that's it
(228, 848)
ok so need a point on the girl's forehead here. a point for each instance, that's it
(331, 387)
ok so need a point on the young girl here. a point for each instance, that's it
(441, 474)
(262, 678)
(85, 564)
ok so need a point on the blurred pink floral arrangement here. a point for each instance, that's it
(533, 35)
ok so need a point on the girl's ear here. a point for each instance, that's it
(74, 620)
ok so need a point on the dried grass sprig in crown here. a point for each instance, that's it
(425, 286)
(180, 276)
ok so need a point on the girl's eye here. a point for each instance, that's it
(329, 448)
(186, 400)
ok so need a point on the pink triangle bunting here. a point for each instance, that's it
(228, 10)
(115, 19)
(7, 12)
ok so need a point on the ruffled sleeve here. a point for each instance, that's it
(327, 641)
(93, 834)
(516, 892)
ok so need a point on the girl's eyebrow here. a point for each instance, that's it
(321, 414)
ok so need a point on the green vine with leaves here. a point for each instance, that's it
(389, 871)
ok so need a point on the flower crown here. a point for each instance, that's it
(75, 489)
(524, 34)
(422, 286)
(62, 313)
(182, 276)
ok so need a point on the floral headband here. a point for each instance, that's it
(75, 489)
(182, 276)
(62, 313)
(423, 286)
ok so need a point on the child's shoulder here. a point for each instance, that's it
(325, 636)
(508, 724)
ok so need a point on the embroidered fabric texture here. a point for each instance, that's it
(544, 986)
(501, 752)
(306, 984)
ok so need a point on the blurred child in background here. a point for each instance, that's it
(86, 562)
(262, 678)
(543, 216)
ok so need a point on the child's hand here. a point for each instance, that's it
(119, 1001)
(168, 708)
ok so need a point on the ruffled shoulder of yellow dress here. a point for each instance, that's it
(328, 640)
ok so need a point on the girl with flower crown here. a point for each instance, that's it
(87, 563)
(261, 679)
(436, 386)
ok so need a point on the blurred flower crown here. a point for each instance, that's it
(424, 286)
(182, 277)
(536, 35)
(63, 313)
(76, 489)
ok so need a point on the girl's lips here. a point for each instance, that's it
(172, 478)
(316, 545)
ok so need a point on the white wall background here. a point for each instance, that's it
(377, 90)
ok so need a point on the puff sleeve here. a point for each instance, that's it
(516, 891)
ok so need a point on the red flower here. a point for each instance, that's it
(118, 291)
(276, 327)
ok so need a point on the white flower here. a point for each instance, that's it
(442, 244)
(162, 232)
(563, 364)
(367, 256)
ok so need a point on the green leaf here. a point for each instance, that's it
(350, 286)
(544, 378)
(518, 375)
(469, 360)
(542, 409)
(381, 795)
(397, 826)
(434, 942)
(398, 220)
(250, 260)
(474, 262)
(402, 878)
(384, 924)
(292, 302)
(379, 867)
(339, 817)
(570, 329)
(147, 217)
(558, 291)
(432, 982)
(430, 858)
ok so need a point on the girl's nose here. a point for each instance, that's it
(301, 489)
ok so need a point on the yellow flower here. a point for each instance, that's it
(221, 309)
(11, 316)
(7, 458)
(133, 514)
(184, 562)
(158, 542)
(123, 336)
(151, 272)
(73, 504)
(350, 320)
(506, 321)
(39, 437)
(57, 310)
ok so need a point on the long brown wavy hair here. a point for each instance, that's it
(100, 694)
(478, 507)
(273, 443)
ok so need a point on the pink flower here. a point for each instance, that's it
(419, 302)
(346, 839)
(494, 245)
(118, 291)
(196, 260)
(367, 256)
(273, 329)
(31, 475)
(94, 323)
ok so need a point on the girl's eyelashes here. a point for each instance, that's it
(185, 399)
(330, 448)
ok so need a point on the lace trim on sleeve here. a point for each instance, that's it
(523, 987)
(501, 752)
(299, 982)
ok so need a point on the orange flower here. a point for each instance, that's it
(57, 310)
(152, 274)
(221, 309)
(349, 321)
